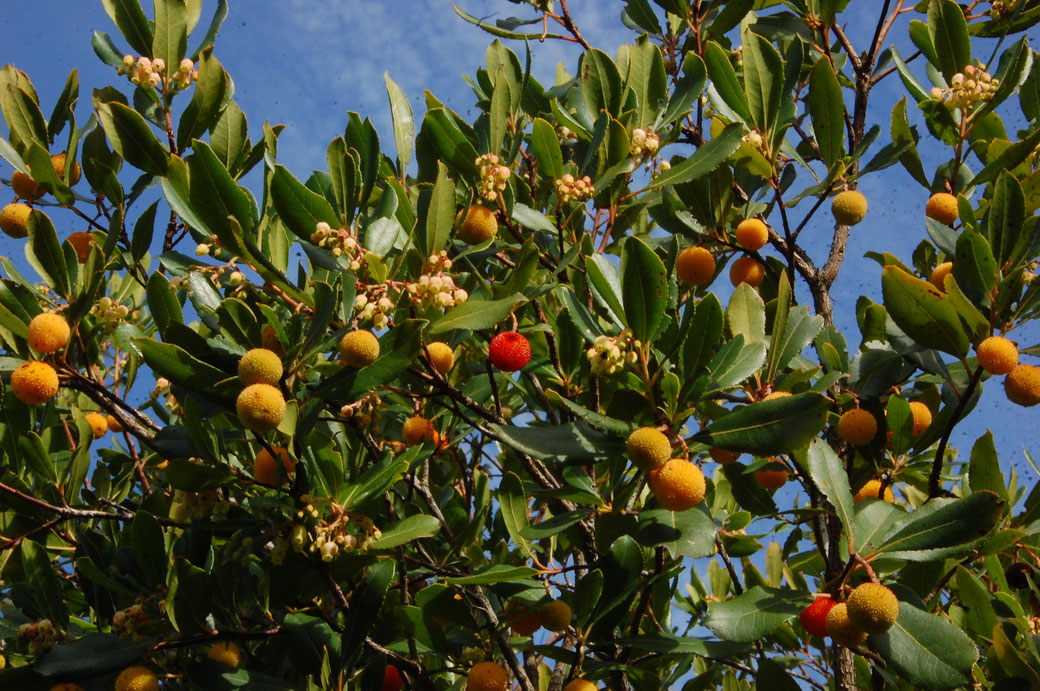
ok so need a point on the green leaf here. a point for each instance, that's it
(668, 644)
(475, 315)
(311, 642)
(398, 349)
(945, 531)
(440, 215)
(799, 332)
(601, 83)
(1008, 159)
(644, 288)
(44, 253)
(216, 198)
(827, 109)
(606, 282)
(984, 468)
(705, 160)
(974, 264)
(829, 475)
(874, 521)
(734, 362)
(132, 138)
(219, 15)
(181, 368)
(146, 536)
(190, 598)
(687, 90)
(106, 49)
(366, 602)
(769, 427)
(170, 41)
(926, 650)
(513, 503)
(496, 573)
(92, 655)
(203, 110)
(755, 613)
(572, 441)
(647, 79)
(376, 480)
(530, 218)
(498, 115)
(902, 134)
(24, 119)
(130, 20)
(684, 533)
(703, 332)
(724, 80)
(163, 302)
(949, 33)
(404, 123)
(63, 107)
(1005, 218)
(923, 312)
(44, 582)
(228, 136)
(404, 531)
(299, 208)
(546, 146)
(746, 314)
(763, 81)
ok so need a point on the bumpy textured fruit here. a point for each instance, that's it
(137, 679)
(418, 429)
(849, 207)
(442, 358)
(114, 425)
(871, 490)
(1022, 385)
(997, 355)
(523, 621)
(648, 448)
(487, 676)
(939, 274)
(814, 617)
(873, 608)
(857, 426)
(752, 234)
(226, 652)
(80, 242)
(260, 366)
(48, 333)
(841, 629)
(695, 266)
(34, 382)
(359, 348)
(14, 220)
(922, 418)
(556, 616)
(58, 163)
(98, 424)
(25, 187)
(392, 680)
(480, 225)
(266, 471)
(678, 485)
(509, 351)
(942, 207)
(746, 270)
(260, 407)
(722, 456)
(580, 685)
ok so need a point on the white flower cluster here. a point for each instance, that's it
(493, 177)
(643, 143)
(609, 354)
(570, 189)
(974, 84)
(151, 73)
(110, 314)
(340, 242)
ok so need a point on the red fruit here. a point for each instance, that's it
(509, 351)
(814, 617)
(392, 680)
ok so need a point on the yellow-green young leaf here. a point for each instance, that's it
(923, 312)
(404, 123)
(132, 138)
(827, 111)
(947, 530)
(769, 427)
(926, 650)
(754, 614)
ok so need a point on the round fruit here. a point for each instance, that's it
(752, 234)
(80, 242)
(487, 676)
(746, 270)
(25, 187)
(114, 425)
(580, 685)
(14, 220)
(48, 333)
(556, 616)
(226, 652)
(722, 456)
(418, 429)
(98, 424)
(1022, 385)
(392, 680)
(58, 163)
(648, 448)
(939, 274)
(678, 485)
(922, 418)
(137, 679)
(34, 382)
(872, 490)
(260, 366)
(841, 629)
(857, 426)
(695, 266)
(942, 207)
(849, 207)
(265, 470)
(359, 348)
(509, 351)
(480, 225)
(814, 617)
(260, 407)
(67, 686)
(522, 620)
(873, 608)
(442, 358)
(997, 355)
(771, 478)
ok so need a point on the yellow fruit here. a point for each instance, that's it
(137, 679)
(114, 425)
(580, 685)
(265, 470)
(67, 686)
(752, 234)
(922, 418)
(480, 225)
(14, 220)
(25, 187)
(849, 207)
(260, 407)
(226, 652)
(417, 429)
(939, 274)
(695, 266)
(260, 366)
(359, 348)
(873, 608)
(80, 242)
(487, 676)
(871, 490)
(678, 485)
(58, 163)
(648, 448)
(857, 426)
(841, 629)
(942, 207)
(1022, 385)
(48, 333)
(522, 620)
(442, 358)
(34, 382)
(997, 355)
(746, 270)
(98, 424)
(722, 456)
(771, 478)
(556, 616)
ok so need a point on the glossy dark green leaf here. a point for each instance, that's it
(647, 79)
(763, 80)
(129, 18)
(683, 533)
(644, 288)
(441, 212)
(546, 146)
(984, 468)
(947, 530)
(769, 427)
(177, 365)
(496, 573)
(475, 315)
(949, 33)
(827, 109)
(23, 117)
(601, 83)
(106, 49)
(228, 136)
(923, 312)
(755, 613)
(149, 547)
(513, 503)
(734, 362)
(406, 530)
(190, 598)
(688, 89)
(96, 654)
(215, 197)
(299, 208)
(977, 600)
(668, 644)
(163, 302)
(203, 110)
(65, 104)
(974, 264)
(366, 602)
(926, 650)
(170, 41)
(640, 12)
(801, 329)
(703, 332)
(132, 137)
(312, 641)
(902, 134)
(774, 677)
(724, 79)
(219, 15)
(44, 583)
(1005, 217)
(44, 253)
(575, 441)
(1008, 159)
(705, 160)
(830, 477)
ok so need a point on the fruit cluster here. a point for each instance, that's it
(110, 314)
(41, 635)
(365, 410)
(570, 189)
(187, 505)
(126, 621)
(643, 144)
(493, 177)
(967, 88)
(332, 532)
(151, 73)
(340, 242)
(436, 289)
(609, 354)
